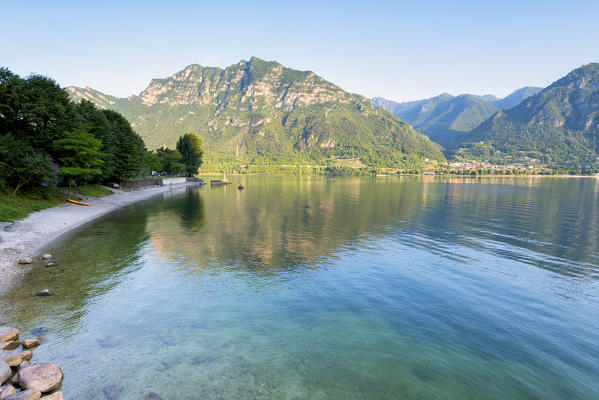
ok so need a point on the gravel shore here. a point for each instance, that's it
(26, 237)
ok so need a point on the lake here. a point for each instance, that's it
(328, 288)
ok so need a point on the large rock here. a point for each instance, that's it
(29, 343)
(7, 390)
(9, 345)
(54, 396)
(12, 359)
(5, 372)
(8, 333)
(24, 395)
(44, 377)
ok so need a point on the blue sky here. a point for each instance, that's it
(401, 50)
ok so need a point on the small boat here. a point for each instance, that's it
(78, 202)
(240, 187)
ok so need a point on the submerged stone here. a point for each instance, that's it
(52, 264)
(153, 396)
(112, 392)
(44, 292)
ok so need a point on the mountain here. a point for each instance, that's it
(262, 112)
(445, 118)
(515, 97)
(558, 126)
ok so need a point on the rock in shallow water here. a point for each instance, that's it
(8, 333)
(52, 264)
(24, 395)
(47, 256)
(112, 392)
(9, 345)
(45, 292)
(5, 372)
(7, 390)
(29, 343)
(153, 396)
(44, 377)
(26, 260)
(26, 355)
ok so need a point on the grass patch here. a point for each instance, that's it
(92, 190)
(13, 207)
(19, 206)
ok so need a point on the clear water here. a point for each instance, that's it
(344, 288)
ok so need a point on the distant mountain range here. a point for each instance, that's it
(558, 126)
(260, 111)
(446, 119)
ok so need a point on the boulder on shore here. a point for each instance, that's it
(44, 292)
(7, 390)
(26, 260)
(44, 377)
(24, 395)
(8, 334)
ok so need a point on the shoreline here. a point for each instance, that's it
(28, 236)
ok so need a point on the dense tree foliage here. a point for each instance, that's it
(45, 137)
(79, 156)
(190, 147)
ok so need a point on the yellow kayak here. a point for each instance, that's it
(78, 202)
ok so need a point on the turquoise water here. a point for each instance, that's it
(341, 288)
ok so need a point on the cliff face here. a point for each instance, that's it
(262, 109)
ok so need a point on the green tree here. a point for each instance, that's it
(79, 158)
(190, 147)
(169, 159)
(21, 165)
(129, 154)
